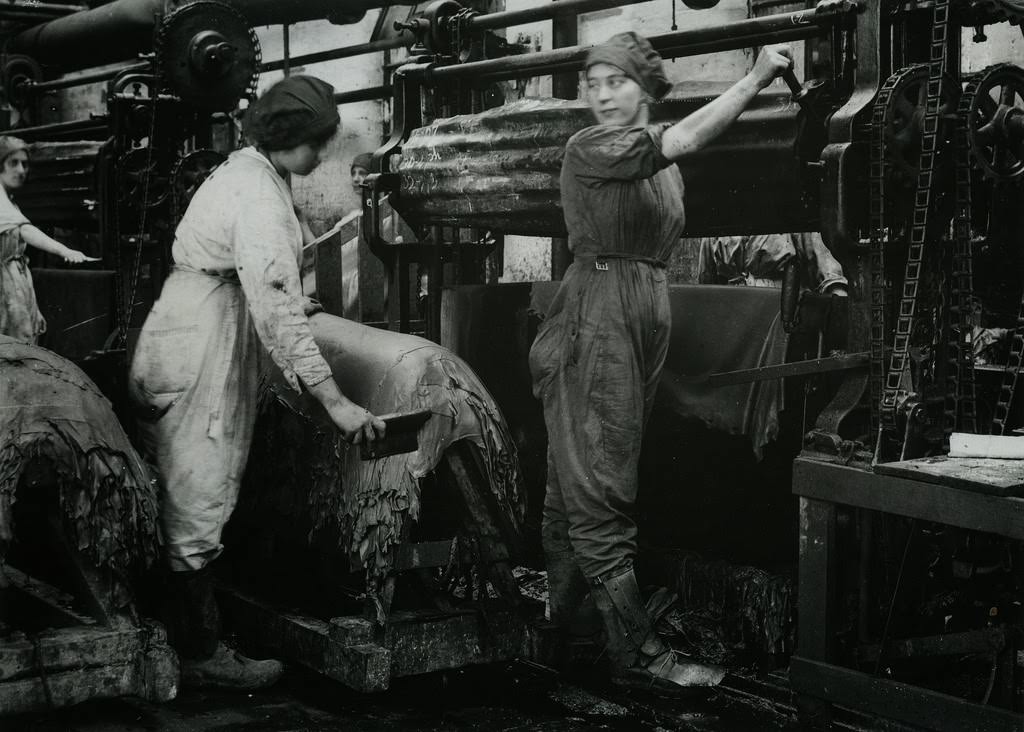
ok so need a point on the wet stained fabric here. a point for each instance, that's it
(194, 373)
(598, 357)
(19, 313)
(54, 417)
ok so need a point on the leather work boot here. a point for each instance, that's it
(194, 632)
(228, 669)
(639, 657)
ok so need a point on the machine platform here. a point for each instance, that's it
(992, 476)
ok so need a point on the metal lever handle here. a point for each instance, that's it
(801, 92)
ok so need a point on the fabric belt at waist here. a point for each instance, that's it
(602, 258)
(21, 258)
(229, 276)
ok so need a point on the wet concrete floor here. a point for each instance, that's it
(500, 698)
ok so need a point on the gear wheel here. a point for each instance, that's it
(208, 55)
(139, 181)
(904, 118)
(991, 100)
(189, 174)
(18, 72)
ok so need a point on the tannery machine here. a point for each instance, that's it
(901, 153)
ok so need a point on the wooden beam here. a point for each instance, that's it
(898, 701)
(60, 603)
(425, 641)
(904, 497)
(76, 665)
(310, 642)
(816, 598)
(68, 648)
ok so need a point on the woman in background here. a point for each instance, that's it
(19, 313)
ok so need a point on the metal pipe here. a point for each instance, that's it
(507, 18)
(742, 34)
(363, 95)
(62, 128)
(65, 82)
(123, 29)
(344, 52)
(480, 22)
(37, 9)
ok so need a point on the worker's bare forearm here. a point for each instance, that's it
(703, 126)
(328, 394)
(35, 237)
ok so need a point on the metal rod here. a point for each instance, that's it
(362, 95)
(37, 9)
(507, 18)
(286, 50)
(480, 22)
(59, 128)
(343, 52)
(743, 34)
(65, 82)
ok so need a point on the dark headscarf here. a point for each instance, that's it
(637, 59)
(295, 110)
(362, 160)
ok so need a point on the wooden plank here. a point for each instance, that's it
(309, 642)
(898, 701)
(69, 688)
(61, 603)
(425, 641)
(816, 599)
(68, 648)
(912, 498)
(984, 475)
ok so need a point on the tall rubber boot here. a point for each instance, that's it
(569, 596)
(195, 634)
(638, 655)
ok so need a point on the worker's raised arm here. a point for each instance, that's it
(703, 126)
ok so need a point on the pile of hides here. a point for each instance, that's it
(723, 608)
(52, 414)
(302, 476)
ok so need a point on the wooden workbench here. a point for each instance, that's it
(953, 500)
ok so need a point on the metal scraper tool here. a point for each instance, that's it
(400, 435)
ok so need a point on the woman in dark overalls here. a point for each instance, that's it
(598, 357)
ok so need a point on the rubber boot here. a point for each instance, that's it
(569, 597)
(195, 634)
(639, 657)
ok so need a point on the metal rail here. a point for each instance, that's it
(489, 21)
(742, 34)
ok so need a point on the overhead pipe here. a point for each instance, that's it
(123, 29)
(490, 21)
(714, 39)
(363, 95)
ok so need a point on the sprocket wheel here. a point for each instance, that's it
(904, 118)
(994, 96)
(208, 55)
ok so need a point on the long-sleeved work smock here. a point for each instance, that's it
(599, 354)
(194, 373)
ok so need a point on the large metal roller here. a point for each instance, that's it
(121, 30)
(499, 169)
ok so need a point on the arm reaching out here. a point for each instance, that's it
(35, 237)
(703, 126)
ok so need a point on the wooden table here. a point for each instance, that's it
(926, 495)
